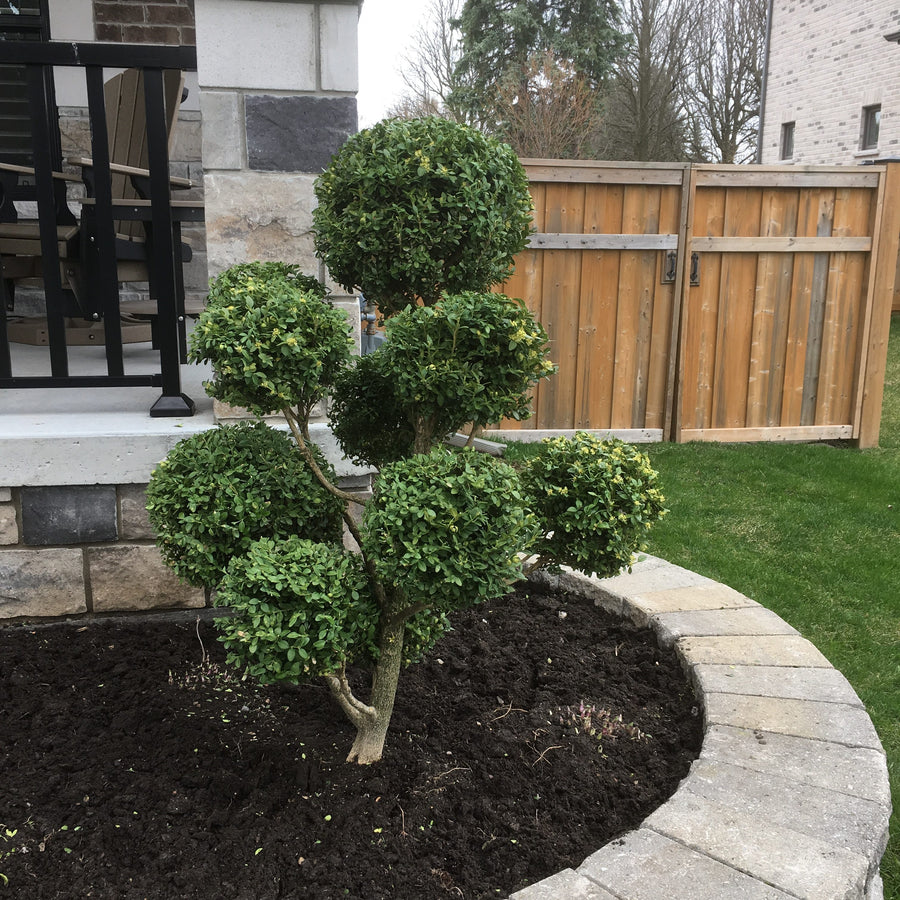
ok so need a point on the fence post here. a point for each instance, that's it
(674, 391)
(883, 285)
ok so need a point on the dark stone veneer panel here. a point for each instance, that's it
(76, 514)
(296, 134)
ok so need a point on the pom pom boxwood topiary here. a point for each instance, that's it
(409, 211)
(287, 625)
(595, 501)
(272, 339)
(220, 490)
(412, 209)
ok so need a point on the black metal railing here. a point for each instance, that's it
(160, 218)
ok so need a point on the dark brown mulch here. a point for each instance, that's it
(127, 775)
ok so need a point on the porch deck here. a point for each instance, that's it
(91, 435)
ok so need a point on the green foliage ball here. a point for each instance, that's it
(272, 338)
(595, 500)
(367, 419)
(303, 609)
(444, 528)
(473, 357)
(220, 490)
(411, 209)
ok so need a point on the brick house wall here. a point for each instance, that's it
(135, 22)
(828, 61)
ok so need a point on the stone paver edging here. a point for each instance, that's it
(790, 795)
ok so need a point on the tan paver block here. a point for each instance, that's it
(754, 620)
(644, 865)
(857, 771)
(851, 823)
(752, 650)
(9, 529)
(37, 583)
(566, 884)
(834, 722)
(824, 685)
(682, 599)
(652, 574)
(794, 862)
(133, 577)
(134, 521)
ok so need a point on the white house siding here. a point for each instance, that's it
(828, 59)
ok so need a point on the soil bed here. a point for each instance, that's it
(132, 770)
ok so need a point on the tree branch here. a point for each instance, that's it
(355, 710)
(539, 563)
(302, 439)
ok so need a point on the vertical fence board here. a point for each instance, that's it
(770, 311)
(816, 322)
(737, 284)
(526, 284)
(702, 307)
(844, 311)
(561, 293)
(884, 272)
(637, 274)
(597, 315)
(663, 306)
(798, 320)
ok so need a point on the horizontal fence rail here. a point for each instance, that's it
(697, 302)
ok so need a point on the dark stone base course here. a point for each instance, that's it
(74, 514)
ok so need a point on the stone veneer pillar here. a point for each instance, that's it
(278, 82)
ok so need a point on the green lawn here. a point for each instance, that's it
(813, 533)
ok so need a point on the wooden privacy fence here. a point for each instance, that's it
(700, 302)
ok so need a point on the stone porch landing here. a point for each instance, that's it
(74, 533)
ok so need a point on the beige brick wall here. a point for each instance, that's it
(828, 60)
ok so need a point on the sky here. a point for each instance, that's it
(386, 29)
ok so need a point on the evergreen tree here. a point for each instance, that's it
(501, 38)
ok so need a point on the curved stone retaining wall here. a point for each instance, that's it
(790, 796)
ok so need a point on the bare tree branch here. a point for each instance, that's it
(723, 91)
(644, 117)
(429, 67)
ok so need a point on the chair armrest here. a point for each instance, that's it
(85, 163)
(27, 170)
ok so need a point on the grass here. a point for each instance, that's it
(812, 532)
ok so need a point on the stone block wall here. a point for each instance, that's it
(827, 61)
(278, 85)
(74, 549)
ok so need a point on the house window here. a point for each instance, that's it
(871, 122)
(787, 140)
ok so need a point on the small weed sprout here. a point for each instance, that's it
(600, 723)
(5, 852)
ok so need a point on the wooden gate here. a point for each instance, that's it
(728, 303)
(595, 276)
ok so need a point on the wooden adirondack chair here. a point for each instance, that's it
(20, 244)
